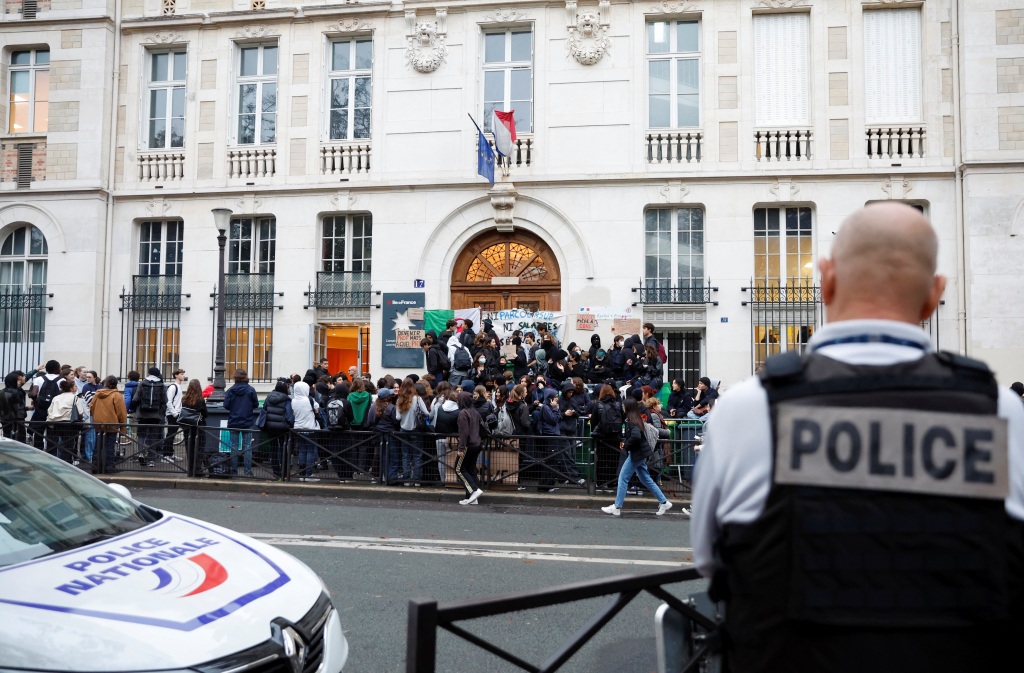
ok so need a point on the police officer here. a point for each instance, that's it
(861, 508)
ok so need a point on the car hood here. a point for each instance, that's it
(176, 593)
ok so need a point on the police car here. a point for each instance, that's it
(91, 580)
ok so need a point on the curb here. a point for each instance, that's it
(567, 499)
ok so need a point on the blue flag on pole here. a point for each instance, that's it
(484, 154)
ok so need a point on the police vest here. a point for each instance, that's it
(884, 543)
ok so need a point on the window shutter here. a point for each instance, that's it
(892, 65)
(781, 68)
(24, 176)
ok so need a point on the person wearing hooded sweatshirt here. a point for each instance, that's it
(360, 400)
(570, 409)
(280, 418)
(437, 357)
(382, 421)
(488, 329)
(12, 406)
(444, 420)
(558, 370)
(150, 421)
(600, 369)
(240, 401)
(109, 415)
(304, 411)
(551, 431)
(469, 449)
(617, 359)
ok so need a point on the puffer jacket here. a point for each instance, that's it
(279, 412)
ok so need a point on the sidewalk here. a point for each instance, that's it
(565, 498)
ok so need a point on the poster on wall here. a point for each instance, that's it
(508, 321)
(395, 318)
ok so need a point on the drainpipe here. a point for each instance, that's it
(963, 297)
(108, 228)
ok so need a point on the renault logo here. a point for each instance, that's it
(293, 644)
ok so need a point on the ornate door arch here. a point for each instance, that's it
(500, 270)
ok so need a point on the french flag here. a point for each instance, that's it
(503, 126)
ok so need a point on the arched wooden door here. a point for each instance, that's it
(500, 270)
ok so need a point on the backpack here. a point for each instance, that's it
(504, 427)
(462, 360)
(151, 395)
(652, 436)
(336, 416)
(47, 391)
(609, 421)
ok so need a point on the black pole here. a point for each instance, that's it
(218, 363)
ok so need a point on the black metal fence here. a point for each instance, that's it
(339, 289)
(151, 324)
(22, 328)
(426, 616)
(655, 293)
(543, 463)
(249, 302)
(783, 318)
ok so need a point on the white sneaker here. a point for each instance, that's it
(467, 501)
(612, 509)
(663, 507)
(473, 496)
(308, 479)
(685, 510)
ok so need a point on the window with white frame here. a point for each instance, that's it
(782, 247)
(29, 75)
(673, 74)
(350, 92)
(252, 245)
(257, 94)
(160, 247)
(508, 76)
(782, 69)
(892, 66)
(23, 255)
(165, 113)
(347, 243)
(674, 254)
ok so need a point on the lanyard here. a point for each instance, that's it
(872, 339)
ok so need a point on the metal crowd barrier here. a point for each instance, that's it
(426, 616)
(521, 462)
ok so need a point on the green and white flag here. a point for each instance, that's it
(436, 319)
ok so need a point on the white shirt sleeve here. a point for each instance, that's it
(732, 476)
(1011, 409)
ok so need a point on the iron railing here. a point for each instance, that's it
(248, 324)
(783, 317)
(676, 294)
(339, 289)
(22, 328)
(426, 616)
(151, 324)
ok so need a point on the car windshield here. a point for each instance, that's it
(48, 506)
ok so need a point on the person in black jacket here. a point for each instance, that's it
(437, 359)
(570, 409)
(637, 448)
(12, 406)
(279, 420)
(679, 400)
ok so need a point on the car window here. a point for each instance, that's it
(48, 506)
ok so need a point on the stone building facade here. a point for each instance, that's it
(686, 159)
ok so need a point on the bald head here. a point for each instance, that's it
(882, 266)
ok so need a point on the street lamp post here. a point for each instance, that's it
(222, 218)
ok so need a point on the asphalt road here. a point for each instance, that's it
(376, 555)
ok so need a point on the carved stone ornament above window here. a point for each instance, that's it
(349, 25)
(782, 4)
(168, 37)
(257, 32)
(426, 50)
(510, 15)
(675, 7)
(588, 32)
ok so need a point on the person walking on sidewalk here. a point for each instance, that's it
(638, 448)
(469, 449)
